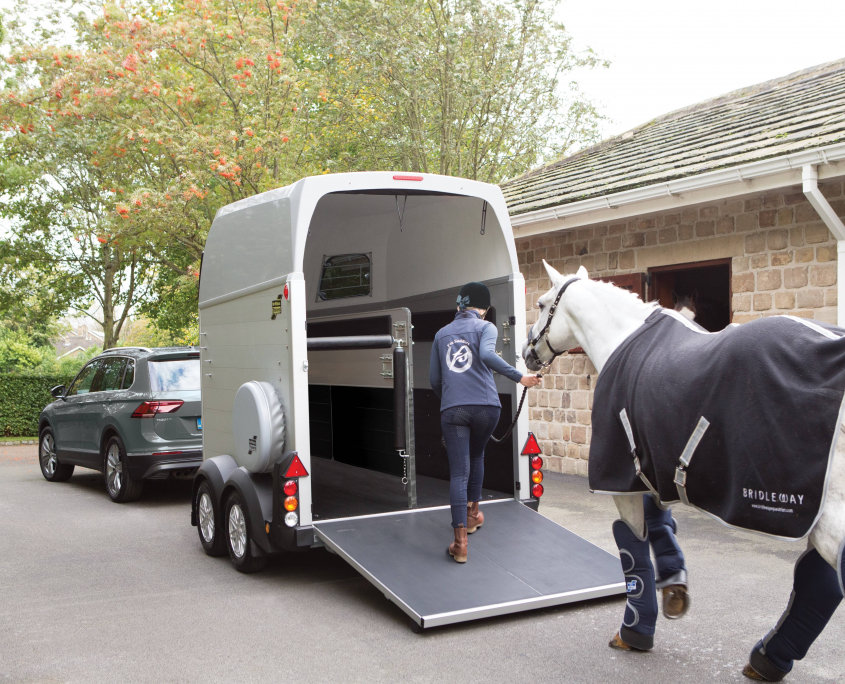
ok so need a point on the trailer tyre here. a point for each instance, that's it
(243, 553)
(209, 524)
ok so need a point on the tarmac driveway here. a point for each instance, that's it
(94, 591)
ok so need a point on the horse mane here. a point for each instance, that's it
(624, 297)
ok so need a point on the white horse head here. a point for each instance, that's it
(545, 343)
(592, 315)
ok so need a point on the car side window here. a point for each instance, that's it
(83, 382)
(112, 374)
(129, 375)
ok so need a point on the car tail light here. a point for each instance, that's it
(537, 490)
(148, 409)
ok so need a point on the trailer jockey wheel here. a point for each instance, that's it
(209, 523)
(242, 552)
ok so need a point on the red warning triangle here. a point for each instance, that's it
(531, 447)
(296, 469)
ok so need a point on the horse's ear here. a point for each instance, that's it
(554, 276)
(582, 272)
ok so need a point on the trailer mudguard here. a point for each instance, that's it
(215, 471)
(257, 492)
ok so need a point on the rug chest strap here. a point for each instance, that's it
(686, 457)
(626, 423)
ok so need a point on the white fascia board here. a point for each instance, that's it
(758, 176)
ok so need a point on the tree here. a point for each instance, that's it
(463, 87)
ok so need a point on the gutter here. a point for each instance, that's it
(810, 177)
(742, 174)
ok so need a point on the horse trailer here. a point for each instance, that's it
(318, 304)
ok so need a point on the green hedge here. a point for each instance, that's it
(22, 396)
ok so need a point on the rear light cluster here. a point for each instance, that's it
(290, 488)
(148, 409)
(291, 503)
(536, 476)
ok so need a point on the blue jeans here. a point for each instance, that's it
(466, 430)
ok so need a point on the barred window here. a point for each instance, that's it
(345, 275)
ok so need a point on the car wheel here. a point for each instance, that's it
(242, 552)
(121, 487)
(51, 469)
(209, 527)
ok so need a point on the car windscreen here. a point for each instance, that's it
(174, 374)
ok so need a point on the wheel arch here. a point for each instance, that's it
(215, 471)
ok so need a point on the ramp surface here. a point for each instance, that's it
(519, 560)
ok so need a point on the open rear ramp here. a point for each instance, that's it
(518, 561)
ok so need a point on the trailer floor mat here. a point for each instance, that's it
(519, 560)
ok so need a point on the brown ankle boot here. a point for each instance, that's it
(475, 518)
(458, 548)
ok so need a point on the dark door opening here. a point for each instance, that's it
(706, 285)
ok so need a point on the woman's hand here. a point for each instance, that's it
(530, 380)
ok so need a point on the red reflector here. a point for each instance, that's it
(290, 487)
(537, 490)
(286, 292)
(536, 462)
(402, 176)
(148, 409)
(296, 469)
(531, 447)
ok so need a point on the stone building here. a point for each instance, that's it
(735, 203)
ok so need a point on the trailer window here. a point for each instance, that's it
(345, 275)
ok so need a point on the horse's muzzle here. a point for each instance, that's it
(532, 361)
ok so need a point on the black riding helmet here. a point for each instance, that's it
(475, 295)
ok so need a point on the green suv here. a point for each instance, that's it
(132, 413)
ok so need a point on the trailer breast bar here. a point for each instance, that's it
(350, 342)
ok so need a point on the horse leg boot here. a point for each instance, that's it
(475, 518)
(637, 631)
(671, 565)
(458, 548)
(815, 595)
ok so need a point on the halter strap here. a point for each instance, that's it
(552, 310)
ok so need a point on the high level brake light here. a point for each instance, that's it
(148, 409)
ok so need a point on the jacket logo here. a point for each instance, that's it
(458, 358)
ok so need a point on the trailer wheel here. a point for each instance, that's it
(209, 526)
(242, 552)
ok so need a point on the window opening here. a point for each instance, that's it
(705, 287)
(345, 275)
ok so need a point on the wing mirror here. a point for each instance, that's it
(58, 391)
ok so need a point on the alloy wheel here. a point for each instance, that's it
(237, 530)
(114, 470)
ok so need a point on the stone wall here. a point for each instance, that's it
(783, 261)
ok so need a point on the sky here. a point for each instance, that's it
(667, 55)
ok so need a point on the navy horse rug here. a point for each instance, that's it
(741, 424)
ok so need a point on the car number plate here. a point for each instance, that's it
(199, 423)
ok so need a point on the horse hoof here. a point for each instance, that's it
(751, 673)
(617, 643)
(676, 601)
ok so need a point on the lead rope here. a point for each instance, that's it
(515, 418)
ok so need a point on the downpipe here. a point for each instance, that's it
(810, 178)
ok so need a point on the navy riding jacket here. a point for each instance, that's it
(463, 359)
